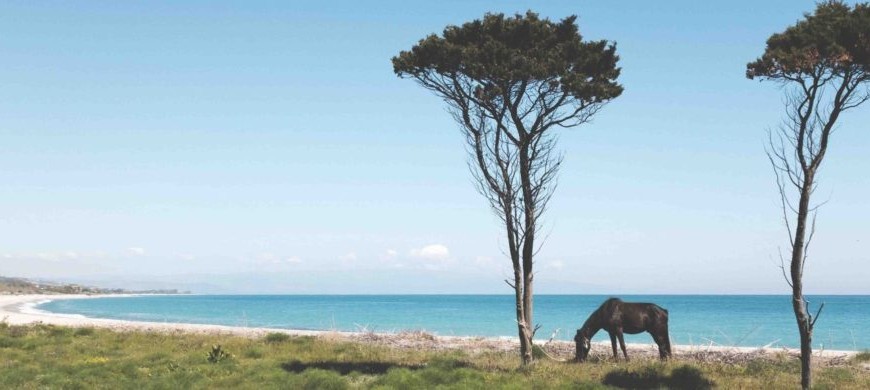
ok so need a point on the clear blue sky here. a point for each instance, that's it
(268, 147)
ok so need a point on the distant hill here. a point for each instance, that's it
(25, 286)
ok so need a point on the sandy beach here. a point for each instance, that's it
(19, 310)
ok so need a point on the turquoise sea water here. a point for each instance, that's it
(729, 320)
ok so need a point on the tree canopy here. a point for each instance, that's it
(833, 40)
(500, 54)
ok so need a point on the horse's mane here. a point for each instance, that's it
(607, 306)
(609, 302)
(595, 317)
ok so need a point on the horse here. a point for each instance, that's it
(618, 317)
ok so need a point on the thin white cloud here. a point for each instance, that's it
(348, 257)
(483, 261)
(268, 258)
(390, 256)
(556, 265)
(49, 256)
(68, 255)
(271, 258)
(432, 252)
(293, 260)
(136, 251)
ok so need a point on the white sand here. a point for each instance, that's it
(19, 310)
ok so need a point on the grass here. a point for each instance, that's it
(45, 356)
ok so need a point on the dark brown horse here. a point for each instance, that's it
(618, 317)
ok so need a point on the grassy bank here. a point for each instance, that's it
(44, 356)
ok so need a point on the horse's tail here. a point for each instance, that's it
(667, 335)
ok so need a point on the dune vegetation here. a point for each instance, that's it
(46, 356)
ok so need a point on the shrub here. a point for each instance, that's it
(83, 332)
(217, 354)
(15, 331)
(538, 352)
(254, 353)
(275, 337)
(55, 331)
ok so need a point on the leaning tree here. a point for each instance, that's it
(510, 82)
(823, 62)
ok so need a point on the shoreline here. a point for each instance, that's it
(20, 310)
(13, 310)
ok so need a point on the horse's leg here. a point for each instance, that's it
(613, 345)
(663, 339)
(666, 336)
(662, 342)
(622, 343)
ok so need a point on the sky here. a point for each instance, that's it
(268, 147)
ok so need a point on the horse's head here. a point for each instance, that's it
(581, 341)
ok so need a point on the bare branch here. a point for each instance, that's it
(534, 331)
(815, 318)
(782, 267)
(807, 244)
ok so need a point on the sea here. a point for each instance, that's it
(700, 320)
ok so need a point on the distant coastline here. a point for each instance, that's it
(20, 286)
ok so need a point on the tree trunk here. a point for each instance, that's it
(522, 325)
(526, 345)
(806, 354)
(526, 328)
(798, 302)
(519, 290)
(528, 248)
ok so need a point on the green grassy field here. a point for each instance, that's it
(44, 356)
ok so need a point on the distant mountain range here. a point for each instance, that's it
(26, 286)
